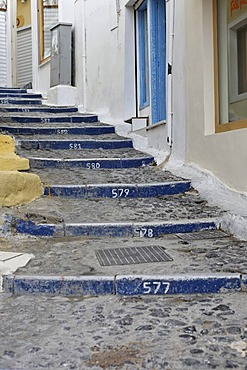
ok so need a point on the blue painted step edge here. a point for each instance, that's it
(42, 109)
(141, 230)
(91, 164)
(87, 130)
(75, 144)
(117, 191)
(67, 286)
(21, 101)
(56, 119)
(18, 95)
(10, 90)
(180, 284)
(123, 285)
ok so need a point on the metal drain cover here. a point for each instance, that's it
(211, 234)
(131, 255)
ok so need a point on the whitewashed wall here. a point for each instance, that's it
(224, 154)
(101, 57)
(41, 72)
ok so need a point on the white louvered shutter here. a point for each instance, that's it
(24, 56)
(3, 51)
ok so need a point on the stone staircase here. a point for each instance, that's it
(98, 187)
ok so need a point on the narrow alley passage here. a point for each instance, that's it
(119, 250)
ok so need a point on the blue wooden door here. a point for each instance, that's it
(158, 59)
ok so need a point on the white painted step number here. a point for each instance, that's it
(145, 232)
(120, 193)
(155, 287)
(93, 166)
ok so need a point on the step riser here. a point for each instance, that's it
(20, 101)
(124, 285)
(112, 230)
(39, 110)
(94, 164)
(22, 96)
(76, 145)
(61, 131)
(13, 91)
(47, 120)
(117, 191)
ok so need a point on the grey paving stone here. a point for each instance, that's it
(119, 333)
(76, 256)
(165, 208)
(75, 176)
(81, 154)
(70, 137)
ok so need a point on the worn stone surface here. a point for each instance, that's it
(77, 176)
(51, 124)
(196, 332)
(82, 154)
(76, 256)
(165, 208)
(70, 137)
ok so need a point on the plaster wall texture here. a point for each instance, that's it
(18, 188)
(9, 161)
(41, 72)
(225, 153)
(104, 48)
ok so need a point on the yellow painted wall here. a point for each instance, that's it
(9, 161)
(16, 188)
(23, 13)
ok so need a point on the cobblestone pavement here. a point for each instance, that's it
(175, 333)
(51, 124)
(70, 137)
(165, 208)
(81, 154)
(141, 175)
(76, 256)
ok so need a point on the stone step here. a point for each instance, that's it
(91, 163)
(86, 266)
(46, 120)
(78, 144)
(117, 190)
(69, 136)
(187, 206)
(77, 154)
(41, 109)
(58, 129)
(77, 256)
(20, 95)
(20, 101)
(76, 176)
